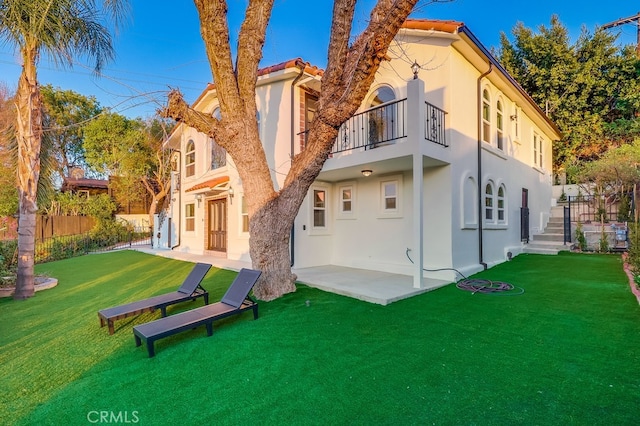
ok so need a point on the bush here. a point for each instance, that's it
(8, 257)
(580, 238)
(109, 232)
(634, 249)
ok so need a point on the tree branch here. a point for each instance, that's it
(250, 43)
(180, 111)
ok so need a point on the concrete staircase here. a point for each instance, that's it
(551, 241)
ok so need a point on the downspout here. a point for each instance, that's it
(302, 66)
(480, 198)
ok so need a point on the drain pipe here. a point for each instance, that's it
(302, 66)
(480, 197)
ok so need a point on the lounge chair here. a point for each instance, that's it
(190, 289)
(235, 301)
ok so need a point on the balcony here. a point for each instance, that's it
(386, 124)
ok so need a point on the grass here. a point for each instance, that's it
(564, 352)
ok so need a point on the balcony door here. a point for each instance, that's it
(217, 231)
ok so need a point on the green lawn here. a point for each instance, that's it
(564, 352)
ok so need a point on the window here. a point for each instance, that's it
(537, 150)
(218, 154)
(488, 203)
(244, 214)
(390, 196)
(516, 124)
(501, 205)
(190, 217)
(390, 203)
(190, 159)
(319, 208)
(310, 107)
(499, 125)
(382, 118)
(486, 117)
(346, 199)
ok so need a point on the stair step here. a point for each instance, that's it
(545, 248)
(549, 237)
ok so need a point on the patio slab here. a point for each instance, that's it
(370, 286)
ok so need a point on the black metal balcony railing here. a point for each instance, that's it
(435, 125)
(383, 125)
(373, 127)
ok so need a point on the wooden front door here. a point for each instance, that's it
(217, 225)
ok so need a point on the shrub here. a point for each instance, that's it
(580, 238)
(8, 257)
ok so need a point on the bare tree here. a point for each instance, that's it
(351, 69)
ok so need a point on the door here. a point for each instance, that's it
(217, 225)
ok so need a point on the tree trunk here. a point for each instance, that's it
(29, 135)
(350, 71)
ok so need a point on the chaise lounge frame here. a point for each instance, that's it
(235, 301)
(189, 290)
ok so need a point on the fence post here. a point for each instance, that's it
(567, 224)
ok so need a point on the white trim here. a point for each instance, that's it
(342, 214)
(383, 211)
(320, 230)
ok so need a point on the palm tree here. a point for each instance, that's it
(60, 29)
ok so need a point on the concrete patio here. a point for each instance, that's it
(377, 287)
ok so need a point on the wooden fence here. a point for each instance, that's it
(58, 226)
(48, 226)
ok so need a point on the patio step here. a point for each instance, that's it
(551, 241)
(545, 247)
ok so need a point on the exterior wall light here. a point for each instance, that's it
(415, 68)
(230, 192)
(199, 199)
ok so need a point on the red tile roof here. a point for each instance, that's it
(211, 184)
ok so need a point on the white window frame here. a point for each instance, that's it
(190, 159)
(313, 229)
(516, 123)
(190, 219)
(391, 212)
(342, 212)
(244, 215)
(537, 151)
(489, 203)
(500, 124)
(485, 116)
(501, 205)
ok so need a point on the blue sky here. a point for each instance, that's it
(162, 48)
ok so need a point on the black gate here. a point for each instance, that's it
(524, 224)
(567, 224)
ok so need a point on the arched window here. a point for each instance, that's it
(488, 203)
(486, 116)
(499, 125)
(190, 159)
(382, 119)
(218, 154)
(502, 217)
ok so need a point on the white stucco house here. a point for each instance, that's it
(446, 166)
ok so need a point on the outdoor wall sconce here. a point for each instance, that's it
(230, 191)
(199, 199)
(415, 68)
(367, 172)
